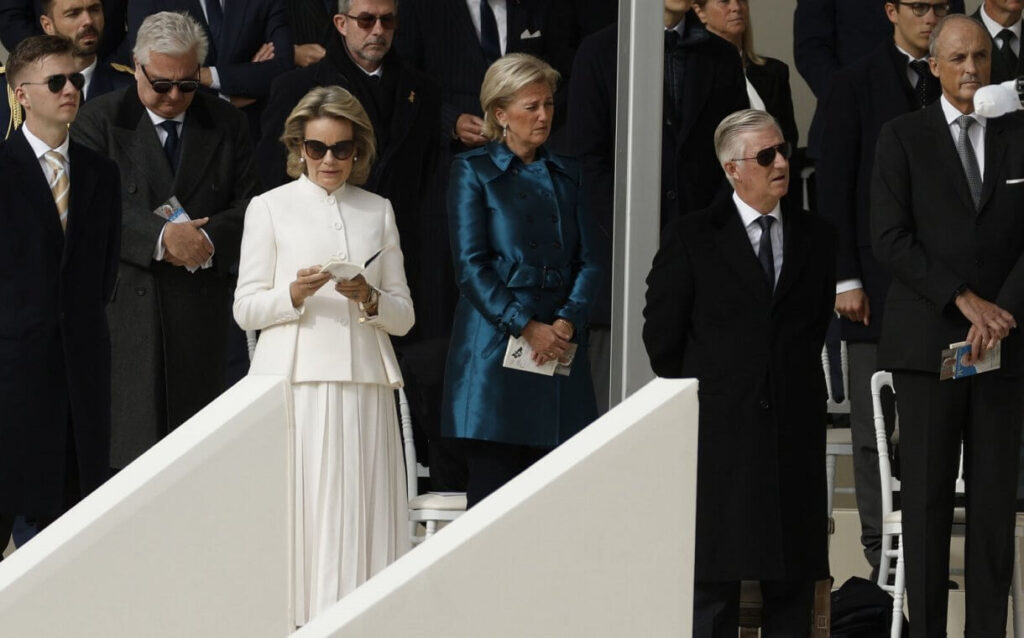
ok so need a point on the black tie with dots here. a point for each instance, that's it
(765, 255)
(1005, 38)
(926, 90)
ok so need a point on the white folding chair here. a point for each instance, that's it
(892, 523)
(429, 509)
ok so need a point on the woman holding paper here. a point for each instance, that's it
(524, 264)
(332, 340)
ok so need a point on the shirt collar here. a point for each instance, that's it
(909, 57)
(89, 71)
(40, 148)
(158, 119)
(680, 26)
(952, 114)
(749, 215)
(994, 27)
(316, 190)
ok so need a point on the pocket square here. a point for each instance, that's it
(527, 35)
(1019, 180)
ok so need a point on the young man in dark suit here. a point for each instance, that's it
(1002, 20)
(946, 196)
(892, 80)
(58, 252)
(20, 19)
(173, 301)
(739, 296)
(829, 35)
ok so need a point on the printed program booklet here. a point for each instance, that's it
(518, 356)
(953, 366)
(341, 269)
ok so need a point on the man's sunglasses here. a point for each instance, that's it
(766, 156)
(56, 82)
(164, 86)
(316, 149)
(367, 20)
(920, 9)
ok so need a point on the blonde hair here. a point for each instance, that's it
(504, 79)
(337, 103)
(747, 53)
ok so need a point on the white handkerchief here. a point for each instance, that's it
(527, 35)
(1019, 180)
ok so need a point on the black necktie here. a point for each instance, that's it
(171, 143)
(1005, 37)
(765, 255)
(926, 90)
(490, 42)
(673, 71)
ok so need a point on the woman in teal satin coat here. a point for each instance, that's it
(525, 266)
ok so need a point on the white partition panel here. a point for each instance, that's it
(192, 539)
(595, 541)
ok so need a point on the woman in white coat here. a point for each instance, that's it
(332, 341)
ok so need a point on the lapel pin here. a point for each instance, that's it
(412, 97)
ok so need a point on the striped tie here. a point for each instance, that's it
(60, 185)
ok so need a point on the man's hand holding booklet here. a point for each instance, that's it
(955, 361)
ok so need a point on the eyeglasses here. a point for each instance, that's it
(57, 82)
(921, 9)
(164, 86)
(766, 156)
(316, 149)
(367, 20)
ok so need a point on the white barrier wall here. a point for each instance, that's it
(192, 539)
(595, 540)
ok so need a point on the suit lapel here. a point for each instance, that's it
(995, 152)
(406, 108)
(234, 13)
(734, 246)
(944, 153)
(200, 140)
(36, 188)
(83, 187)
(463, 24)
(793, 256)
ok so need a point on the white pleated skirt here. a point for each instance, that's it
(351, 517)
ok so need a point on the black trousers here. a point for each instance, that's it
(786, 611)
(984, 412)
(490, 465)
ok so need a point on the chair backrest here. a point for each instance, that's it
(889, 483)
(832, 405)
(405, 417)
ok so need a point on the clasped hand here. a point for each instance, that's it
(548, 341)
(989, 324)
(309, 280)
(185, 245)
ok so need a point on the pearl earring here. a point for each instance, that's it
(302, 159)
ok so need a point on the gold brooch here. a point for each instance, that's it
(412, 97)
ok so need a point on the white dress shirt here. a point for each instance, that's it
(500, 9)
(41, 148)
(161, 134)
(749, 216)
(87, 73)
(976, 134)
(994, 28)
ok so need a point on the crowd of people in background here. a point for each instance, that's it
(206, 161)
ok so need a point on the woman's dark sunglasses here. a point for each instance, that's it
(164, 86)
(766, 156)
(56, 82)
(367, 20)
(316, 149)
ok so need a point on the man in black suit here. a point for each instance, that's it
(946, 196)
(739, 296)
(173, 300)
(82, 22)
(20, 19)
(892, 80)
(829, 35)
(250, 45)
(1002, 20)
(712, 87)
(62, 221)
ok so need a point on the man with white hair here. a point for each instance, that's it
(173, 299)
(740, 296)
